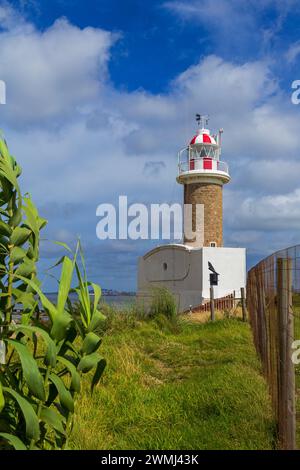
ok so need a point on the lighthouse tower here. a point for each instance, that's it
(203, 176)
(185, 268)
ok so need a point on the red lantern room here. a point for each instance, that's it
(201, 159)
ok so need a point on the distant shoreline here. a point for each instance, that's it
(104, 294)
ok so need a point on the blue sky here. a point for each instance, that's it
(102, 94)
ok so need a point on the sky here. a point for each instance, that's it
(102, 94)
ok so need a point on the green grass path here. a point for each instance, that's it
(190, 386)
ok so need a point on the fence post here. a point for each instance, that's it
(212, 304)
(244, 310)
(287, 391)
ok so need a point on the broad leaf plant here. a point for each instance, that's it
(46, 349)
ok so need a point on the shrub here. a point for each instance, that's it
(163, 303)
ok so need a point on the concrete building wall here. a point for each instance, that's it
(184, 271)
(175, 268)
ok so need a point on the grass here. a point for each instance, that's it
(173, 384)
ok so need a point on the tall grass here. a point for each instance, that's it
(163, 303)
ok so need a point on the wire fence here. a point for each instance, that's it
(273, 301)
(224, 303)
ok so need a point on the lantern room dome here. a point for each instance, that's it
(203, 137)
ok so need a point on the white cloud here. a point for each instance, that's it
(293, 52)
(223, 13)
(236, 25)
(51, 74)
(10, 19)
(280, 212)
(268, 176)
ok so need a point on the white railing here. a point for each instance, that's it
(199, 151)
(203, 165)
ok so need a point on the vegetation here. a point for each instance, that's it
(163, 303)
(176, 384)
(41, 361)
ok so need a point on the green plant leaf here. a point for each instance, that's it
(17, 254)
(5, 229)
(19, 236)
(3, 270)
(42, 223)
(60, 325)
(3, 211)
(13, 441)
(25, 298)
(75, 383)
(98, 373)
(64, 245)
(2, 400)
(87, 363)
(8, 173)
(97, 320)
(32, 216)
(31, 419)
(83, 294)
(91, 343)
(31, 253)
(48, 306)
(50, 358)
(7, 168)
(97, 295)
(4, 242)
(53, 419)
(65, 284)
(16, 218)
(26, 268)
(30, 369)
(3, 148)
(65, 396)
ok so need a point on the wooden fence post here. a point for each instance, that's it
(244, 309)
(287, 391)
(212, 304)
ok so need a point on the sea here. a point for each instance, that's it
(118, 301)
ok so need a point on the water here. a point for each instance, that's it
(116, 300)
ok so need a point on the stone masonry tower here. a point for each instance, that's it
(203, 176)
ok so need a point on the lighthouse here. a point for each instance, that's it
(185, 268)
(203, 176)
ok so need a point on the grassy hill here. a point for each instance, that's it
(177, 385)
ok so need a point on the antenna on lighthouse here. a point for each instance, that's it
(202, 120)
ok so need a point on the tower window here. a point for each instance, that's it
(165, 266)
(213, 245)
